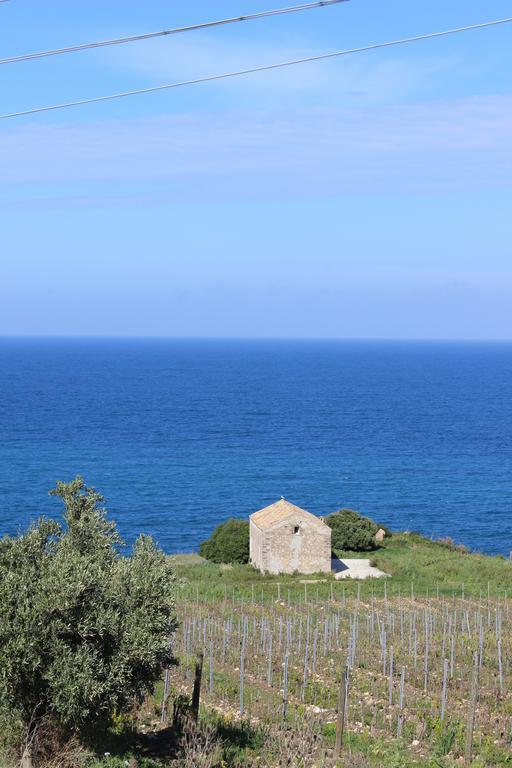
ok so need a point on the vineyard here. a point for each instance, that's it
(155, 661)
(430, 671)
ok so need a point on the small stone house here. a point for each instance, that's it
(287, 539)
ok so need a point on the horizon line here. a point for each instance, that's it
(351, 339)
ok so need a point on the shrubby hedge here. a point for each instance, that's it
(352, 532)
(229, 543)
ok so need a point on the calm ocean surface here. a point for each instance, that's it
(180, 435)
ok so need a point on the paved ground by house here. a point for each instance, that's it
(352, 568)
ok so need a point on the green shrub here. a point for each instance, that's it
(229, 543)
(352, 532)
(444, 736)
(11, 735)
(83, 629)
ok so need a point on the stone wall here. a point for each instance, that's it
(293, 545)
(256, 546)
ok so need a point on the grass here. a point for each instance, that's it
(430, 568)
(433, 566)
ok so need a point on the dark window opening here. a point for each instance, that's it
(296, 529)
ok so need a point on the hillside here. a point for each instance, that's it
(275, 646)
(427, 654)
(428, 567)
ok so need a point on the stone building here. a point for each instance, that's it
(287, 539)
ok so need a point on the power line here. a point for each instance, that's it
(165, 32)
(253, 70)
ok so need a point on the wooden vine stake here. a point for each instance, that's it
(342, 706)
(285, 686)
(468, 752)
(165, 699)
(196, 695)
(242, 674)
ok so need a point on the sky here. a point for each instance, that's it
(363, 197)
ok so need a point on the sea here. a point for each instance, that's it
(180, 435)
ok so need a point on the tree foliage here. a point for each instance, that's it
(229, 543)
(351, 531)
(83, 629)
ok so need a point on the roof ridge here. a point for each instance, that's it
(278, 511)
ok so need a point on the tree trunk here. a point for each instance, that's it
(27, 759)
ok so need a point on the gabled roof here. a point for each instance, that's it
(280, 511)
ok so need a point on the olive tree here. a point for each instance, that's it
(83, 628)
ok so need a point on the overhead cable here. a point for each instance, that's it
(253, 70)
(166, 32)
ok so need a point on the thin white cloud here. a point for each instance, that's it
(422, 147)
(359, 80)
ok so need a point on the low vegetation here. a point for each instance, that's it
(229, 543)
(351, 531)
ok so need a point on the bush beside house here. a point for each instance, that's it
(229, 543)
(351, 532)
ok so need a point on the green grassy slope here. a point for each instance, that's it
(416, 563)
(430, 565)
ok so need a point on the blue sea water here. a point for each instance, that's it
(180, 435)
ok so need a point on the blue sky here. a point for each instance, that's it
(362, 197)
